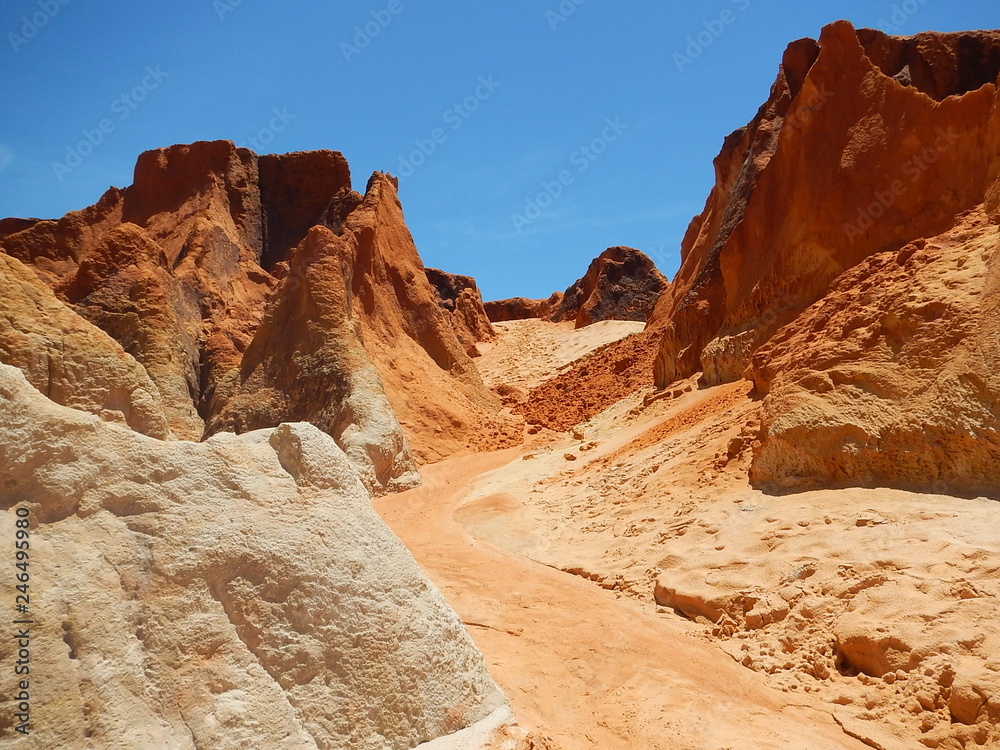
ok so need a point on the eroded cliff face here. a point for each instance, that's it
(60, 353)
(256, 290)
(239, 592)
(461, 300)
(893, 378)
(866, 143)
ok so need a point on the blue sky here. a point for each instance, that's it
(532, 133)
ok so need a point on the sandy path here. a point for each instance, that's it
(586, 668)
(531, 351)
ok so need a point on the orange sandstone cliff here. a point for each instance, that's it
(254, 290)
(866, 143)
(846, 256)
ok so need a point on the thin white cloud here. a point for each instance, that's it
(6, 157)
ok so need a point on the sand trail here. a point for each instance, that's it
(579, 664)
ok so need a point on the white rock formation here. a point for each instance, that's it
(238, 593)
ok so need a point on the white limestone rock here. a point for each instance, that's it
(238, 593)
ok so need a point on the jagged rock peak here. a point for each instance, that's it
(622, 283)
(255, 290)
(843, 160)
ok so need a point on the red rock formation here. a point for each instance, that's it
(68, 359)
(621, 284)
(429, 378)
(461, 300)
(847, 255)
(593, 383)
(182, 267)
(519, 308)
(306, 363)
(866, 143)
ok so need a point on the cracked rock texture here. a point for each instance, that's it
(893, 379)
(235, 593)
(622, 283)
(460, 298)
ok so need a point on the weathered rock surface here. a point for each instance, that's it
(867, 143)
(207, 270)
(306, 363)
(622, 283)
(460, 298)
(68, 359)
(430, 380)
(893, 378)
(235, 593)
(519, 308)
(877, 603)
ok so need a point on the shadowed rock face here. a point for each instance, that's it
(621, 284)
(256, 290)
(459, 297)
(866, 143)
(519, 308)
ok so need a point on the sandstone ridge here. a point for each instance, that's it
(866, 143)
(861, 308)
(255, 290)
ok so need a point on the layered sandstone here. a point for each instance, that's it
(235, 593)
(866, 143)
(71, 361)
(255, 290)
(893, 378)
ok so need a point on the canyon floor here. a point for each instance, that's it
(630, 589)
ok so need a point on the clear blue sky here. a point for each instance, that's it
(539, 83)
